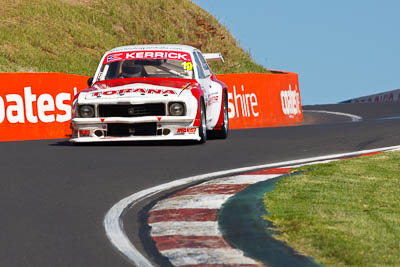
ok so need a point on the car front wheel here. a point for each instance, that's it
(203, 123)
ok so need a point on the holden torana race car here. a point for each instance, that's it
(152, 92)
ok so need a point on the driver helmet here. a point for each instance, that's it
(131, 70)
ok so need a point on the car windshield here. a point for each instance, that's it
(146, 64)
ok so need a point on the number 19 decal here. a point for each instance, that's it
(187, 65)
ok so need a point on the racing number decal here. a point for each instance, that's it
(187, 66)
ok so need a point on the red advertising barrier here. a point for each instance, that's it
(263, 100)
(38, 105)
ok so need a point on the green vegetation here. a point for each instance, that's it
(71, 36)
(344, 213)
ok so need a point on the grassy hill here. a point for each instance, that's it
(70, 36)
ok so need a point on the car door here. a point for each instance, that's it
(205, 85)
(214, 92)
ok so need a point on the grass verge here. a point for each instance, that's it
(343, 213)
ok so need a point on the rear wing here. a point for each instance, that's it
(213, 57)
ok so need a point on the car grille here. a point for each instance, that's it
(157, 109)
(137, 129)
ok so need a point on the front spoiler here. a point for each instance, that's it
(194, 137)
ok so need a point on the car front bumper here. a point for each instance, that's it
(150, 128)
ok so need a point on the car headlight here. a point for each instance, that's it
(176, 109)
(86, 111)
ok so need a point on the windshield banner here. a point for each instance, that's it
(130, 55)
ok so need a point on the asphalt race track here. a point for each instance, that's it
(54, 195)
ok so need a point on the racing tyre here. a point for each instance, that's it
(203, 123)
(223, 133)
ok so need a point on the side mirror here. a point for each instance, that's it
(90, 81)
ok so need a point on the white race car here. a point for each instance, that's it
(152, 92)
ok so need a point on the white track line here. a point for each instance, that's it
(352, 116)
(113, 223)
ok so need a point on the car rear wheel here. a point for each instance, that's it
(223, 133)
(203, 123)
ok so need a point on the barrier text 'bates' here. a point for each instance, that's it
(33, 108)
